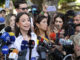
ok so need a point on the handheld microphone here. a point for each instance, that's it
(24, 45)
(5, 36)
(53, 36)
(8, 38)
(12, 37)
(23, 52)
(41, 49)
(13, 55)
(5, 50)
(31, 46)
(2, 20)
(8, 29)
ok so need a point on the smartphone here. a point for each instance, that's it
(7, 2)
(51, 8)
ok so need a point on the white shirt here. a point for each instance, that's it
(17, 45)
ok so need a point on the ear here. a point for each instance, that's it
(37, 25)
(17, 25)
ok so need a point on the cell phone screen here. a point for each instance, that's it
(7, 3)
(51, 8)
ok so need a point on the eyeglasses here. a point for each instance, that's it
(23, 8)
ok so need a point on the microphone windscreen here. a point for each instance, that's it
(53, 36)
(42, 39)
(2, 19)
(24, 45)
(8, 29)
(15, 51)
(5, 49)
(11, 34)
(31, 43)
(5, 36)
(12, 37)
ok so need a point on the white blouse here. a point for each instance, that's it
(17, 45)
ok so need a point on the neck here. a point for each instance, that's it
(42, 33)
(24, 33)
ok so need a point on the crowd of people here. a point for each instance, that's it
(38, 36)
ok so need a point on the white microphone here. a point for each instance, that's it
(14, 55)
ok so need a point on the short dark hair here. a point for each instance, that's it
(3, 11)
(18, 2)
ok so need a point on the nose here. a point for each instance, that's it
(58, 23)
(27, 22)
(25, 10)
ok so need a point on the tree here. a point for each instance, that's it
(2, 2)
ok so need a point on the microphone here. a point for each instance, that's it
(5, 36)
(41, 49)
(8, 38)
(31, 46)
(12, 37)
(2, 19)
(5, 50)
(53, 36)
(23, 52)
(24, 45)
(8, 29)
(13, 55)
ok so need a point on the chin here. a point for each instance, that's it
(26, 29)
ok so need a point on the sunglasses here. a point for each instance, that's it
(23, 8)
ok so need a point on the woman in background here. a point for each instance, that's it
(41, 27)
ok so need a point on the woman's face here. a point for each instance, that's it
(12, 22)
(43, 25)
(58, 23)
(24, 22)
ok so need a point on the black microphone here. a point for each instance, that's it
(31, 46)
(8, 29)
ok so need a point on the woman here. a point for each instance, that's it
(10, 22)
(23, 33)
(56, 23)
(40, 28)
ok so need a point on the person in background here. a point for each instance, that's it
(77, 30)
(56, 23)
(3, 12)
(40, 29)
(2, 18)
(77, 47)
(21, 6)
(76, 18)
(10, 21)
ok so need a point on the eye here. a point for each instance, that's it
(23, 20)
(60, 21)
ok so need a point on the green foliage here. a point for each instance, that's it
(2, 2)
(38, 2)
(67, 1)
